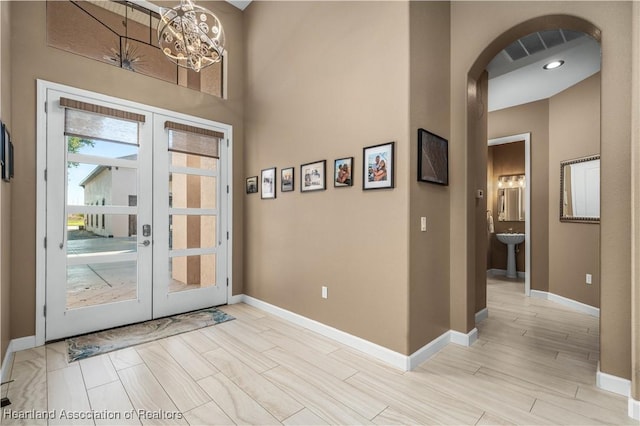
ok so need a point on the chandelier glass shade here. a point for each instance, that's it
(190, 35)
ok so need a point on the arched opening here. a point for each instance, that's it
(478, 132)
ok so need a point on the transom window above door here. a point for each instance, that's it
(123, 34)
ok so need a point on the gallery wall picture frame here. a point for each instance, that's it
(252, 185)
(313, 176)
(433, 158)
(11, 162)
(378, 166)
(343, 172)
(268, 183)
(7, 167)
(3, 156)
(287, 179)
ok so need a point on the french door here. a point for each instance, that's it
(134, 214)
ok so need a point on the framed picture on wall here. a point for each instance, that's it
(3, 156)
(313, 176)
(6, 154)
(252, 185)
(433, 158)
(268, 182)
(342, 172)
(287, 179)
(378, 166)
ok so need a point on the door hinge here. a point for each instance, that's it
(227, 282)
(45, 107)
(227, 235)
(227, 143)
(227, 189)
(44, 310)
(45, 174)
(45, 242)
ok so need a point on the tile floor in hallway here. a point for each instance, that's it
(535, 363)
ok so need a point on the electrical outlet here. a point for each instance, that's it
(423, 224)
(589, 279)
(325, 292)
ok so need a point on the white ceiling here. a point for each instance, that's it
(524, 80)
(240, 4)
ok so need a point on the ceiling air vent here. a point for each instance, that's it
(537, 42)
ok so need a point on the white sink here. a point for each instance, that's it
(510, 238)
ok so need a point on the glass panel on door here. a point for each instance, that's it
(101, 221)
(193, 215)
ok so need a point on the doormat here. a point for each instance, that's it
(101, 342)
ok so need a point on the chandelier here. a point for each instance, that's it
(190, 35)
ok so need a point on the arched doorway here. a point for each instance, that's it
(477, 131)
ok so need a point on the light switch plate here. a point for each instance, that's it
(423, 224)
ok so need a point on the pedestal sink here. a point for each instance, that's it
(511, 240)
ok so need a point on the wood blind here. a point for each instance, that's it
(192, 129)
(98, 109)
(193, 140)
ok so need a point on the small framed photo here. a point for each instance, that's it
(268, 180)
(378, 166)
(342, 172)
(7, 154)
(433, 158)
(287, 179)
(252, 185)
(3, 152)
(313, 176)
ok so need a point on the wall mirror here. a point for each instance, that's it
(511, 198)
(580, 190)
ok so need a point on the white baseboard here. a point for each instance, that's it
(395, 359)
(634, 409)
(464, 339)
(238, 298)
(428, 350)
(482, 315)
(15, 345)
(569, 303)
(613, 383)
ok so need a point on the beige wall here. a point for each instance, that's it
(321, 87)
(635, 196)
(532, 118)
(477, 292)
(429, 109)
(5, 188)
(42, 62)
(574, 248)
(563, 127)
(479, 30)
(506, 159)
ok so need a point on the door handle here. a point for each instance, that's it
(145, 243)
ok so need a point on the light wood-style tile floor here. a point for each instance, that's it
(535, 363)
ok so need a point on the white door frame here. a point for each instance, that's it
(41, 194)
(526, 137)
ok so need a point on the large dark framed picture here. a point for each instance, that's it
(378, 166)
(313, 176)
(433, 158)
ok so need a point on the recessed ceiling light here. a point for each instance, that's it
(553, 65)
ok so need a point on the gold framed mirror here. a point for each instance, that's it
(580, 190)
